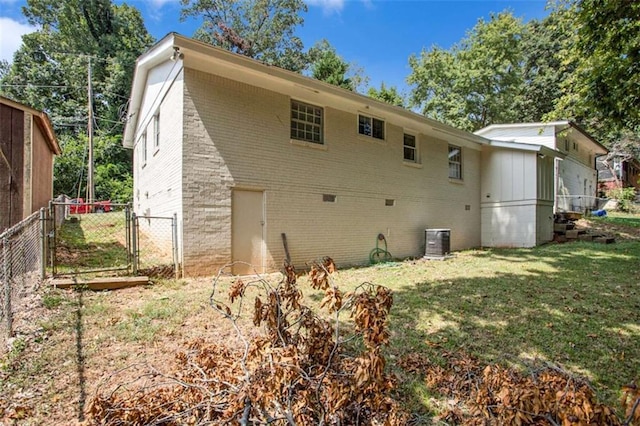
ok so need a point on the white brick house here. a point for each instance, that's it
(576, 177)
(243, 152)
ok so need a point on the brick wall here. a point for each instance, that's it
(237, 136)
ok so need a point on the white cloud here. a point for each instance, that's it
(328, 6)
(159, 3)
(11, 33)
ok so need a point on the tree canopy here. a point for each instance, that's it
(386, 94)
(581, 62)
(50, 72)
(260, 29)
(475, 83)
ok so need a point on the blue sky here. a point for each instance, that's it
(376, 35)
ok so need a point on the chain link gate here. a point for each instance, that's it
(94, 240)
(108, 241)
(154, 246)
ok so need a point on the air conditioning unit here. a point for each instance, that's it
(438, 243)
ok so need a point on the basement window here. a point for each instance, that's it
(329, 198)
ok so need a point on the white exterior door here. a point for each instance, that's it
(247, 240)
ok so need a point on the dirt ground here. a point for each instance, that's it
(59, 357)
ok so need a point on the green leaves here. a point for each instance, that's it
(326, 65)
(260, 29)
(49, 72)
(386, 94)
(473, 84)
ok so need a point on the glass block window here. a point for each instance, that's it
(369, 126)
(410, 148)
(455, 162)
(306, 122)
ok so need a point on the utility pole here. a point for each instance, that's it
(90, 186)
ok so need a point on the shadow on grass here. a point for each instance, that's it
(576, 306)
(92, 241)
(80, 356)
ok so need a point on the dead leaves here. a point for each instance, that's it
(497, 395)
(298, 372)
(630, 402)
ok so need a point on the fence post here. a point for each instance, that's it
(174, 245)
(7, 285)
(134, 243)
(127, 221)
(43, 244)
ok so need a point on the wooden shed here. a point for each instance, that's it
(27, 150)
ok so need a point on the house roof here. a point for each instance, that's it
(210, 59)
(41, 119)
(559, 126)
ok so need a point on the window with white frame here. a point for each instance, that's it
(306, 122)
(410, 148)
(143, 148)
(156, 130)
(370, 126)
(455, 162)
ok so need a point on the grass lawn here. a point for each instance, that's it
(576, 306)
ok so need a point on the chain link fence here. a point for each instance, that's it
(21, 266)
(89, 240)
(155, 243)
(579, 203)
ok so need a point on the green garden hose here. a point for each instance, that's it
(378, 254)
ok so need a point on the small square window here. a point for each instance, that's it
(410, 148)
(455, 162)
(389, 202)
(369, 126)
(329, 198)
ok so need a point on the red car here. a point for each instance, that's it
(78, 206)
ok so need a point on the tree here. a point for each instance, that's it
(545, 44)
(49, 72)
(475, 83)
(260, 29)
(603, 91)
(326, 65)
(609, 44)
(386, 94)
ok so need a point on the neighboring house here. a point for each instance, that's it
(244, 153)
(576, 178)
(27, 149)
(626, 170)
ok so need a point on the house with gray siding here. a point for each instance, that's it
(244, 153)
